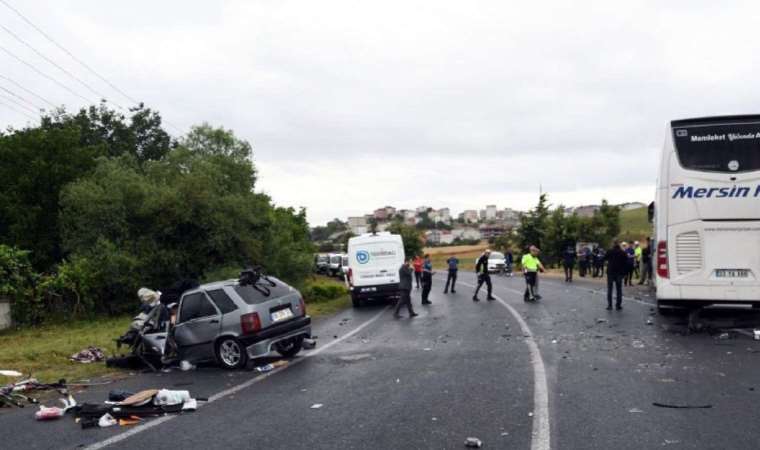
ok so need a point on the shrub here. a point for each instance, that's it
(320, 290)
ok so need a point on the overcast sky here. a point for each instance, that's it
(354, 105)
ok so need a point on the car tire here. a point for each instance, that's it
(290, 347)
(356, 301)
(230, 353)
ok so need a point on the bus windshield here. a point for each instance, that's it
(720, 147)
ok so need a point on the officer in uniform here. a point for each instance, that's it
(481, 268)
(531, 266)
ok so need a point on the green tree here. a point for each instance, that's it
(533, 225)
(411, 236)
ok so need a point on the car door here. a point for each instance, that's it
(198, 325)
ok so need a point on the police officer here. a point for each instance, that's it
(405, 289)
(531, 266)
(453, 263)
(427, 279)
(481, 268)
(617, 268)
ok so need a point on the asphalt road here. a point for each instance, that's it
(562, 373)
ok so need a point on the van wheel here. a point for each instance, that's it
(290, 347)
(357, 302)
(230, 353)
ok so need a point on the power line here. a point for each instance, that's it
(19, 103)
(17, 111)
(28, 91)
(20, 98)
(71, 75)
(71, 55)
(43, 74)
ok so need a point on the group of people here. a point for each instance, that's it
(421, 269)
(638, 263)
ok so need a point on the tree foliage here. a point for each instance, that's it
(411, 236)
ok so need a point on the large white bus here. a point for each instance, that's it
(707, 213)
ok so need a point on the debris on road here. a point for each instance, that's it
(666, 405)
(756, 334)
(724, 336)
(316, 406)
(88, 355)
(600, 320)
(637, 344)
(271, 366)
(106, 420)
(10, 373)
(473, 442)
(186, 366)
(650, 321)
(635, 411)
(52, 413)
(309, 344)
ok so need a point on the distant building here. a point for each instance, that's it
(445, 215)
(380, 214)
(466, 233)
(422, 209)
(585, 211)
(631, 205)
(491, 231)
(357, 225)
(482, 215)
(439, 237)
(491, 212)
(469, 216)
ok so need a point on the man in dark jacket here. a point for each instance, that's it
(405, 289)
(646, 263)
(427, 280)
(568, 262)
(617, 268)
(453, 263)
(481, 269)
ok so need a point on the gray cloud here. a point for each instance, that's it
(352, 105)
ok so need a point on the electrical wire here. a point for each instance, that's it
(18, 111)
(18, 103)
(71, 55)
(35, 107)
(53, 105)
(43, 74)
(71, 75)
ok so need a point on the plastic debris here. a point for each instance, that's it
(635, 411)
(316, 406)
(427, 349)
(186, 366)
(650, 321)
(756, 334)
(724, 336)
(10, 373)
(106, 420)
(473, 442)
(190, 405)
(266, 368)
(46, 413)
(530, 414)
(666, 405)
(167, 397)
(601, 320)
(132, 420)
(309, 344)
(88, 355)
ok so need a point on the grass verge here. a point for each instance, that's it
(44, 351)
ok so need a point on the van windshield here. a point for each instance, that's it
(727, 147)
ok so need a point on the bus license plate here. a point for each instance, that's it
(732, 273)
(282, 315)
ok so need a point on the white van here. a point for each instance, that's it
(373, 264)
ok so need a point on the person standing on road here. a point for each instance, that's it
(417, 270)
(568, 262)
(427, 279)
(599, 262)
(585, 265)
(531, 266)
(453, 263)
(631, 255)
(509, 260)
(481, 269)
(646, 263)
(617, 268)
(637, 259)
(405, 289)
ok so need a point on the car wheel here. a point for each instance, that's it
(230, 353)
(290, 347)
(357, 302)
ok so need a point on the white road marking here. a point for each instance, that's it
(541, 436)
(227, 392)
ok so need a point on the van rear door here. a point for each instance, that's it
(376, 263)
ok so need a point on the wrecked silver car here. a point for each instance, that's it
(233, 321)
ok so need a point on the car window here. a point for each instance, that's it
(496, 255)
(222, 301)
(253, 296)
(195, 306)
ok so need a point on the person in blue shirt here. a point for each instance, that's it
(427, 279)
(508, 261)
(453, 264)
(631, 254)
